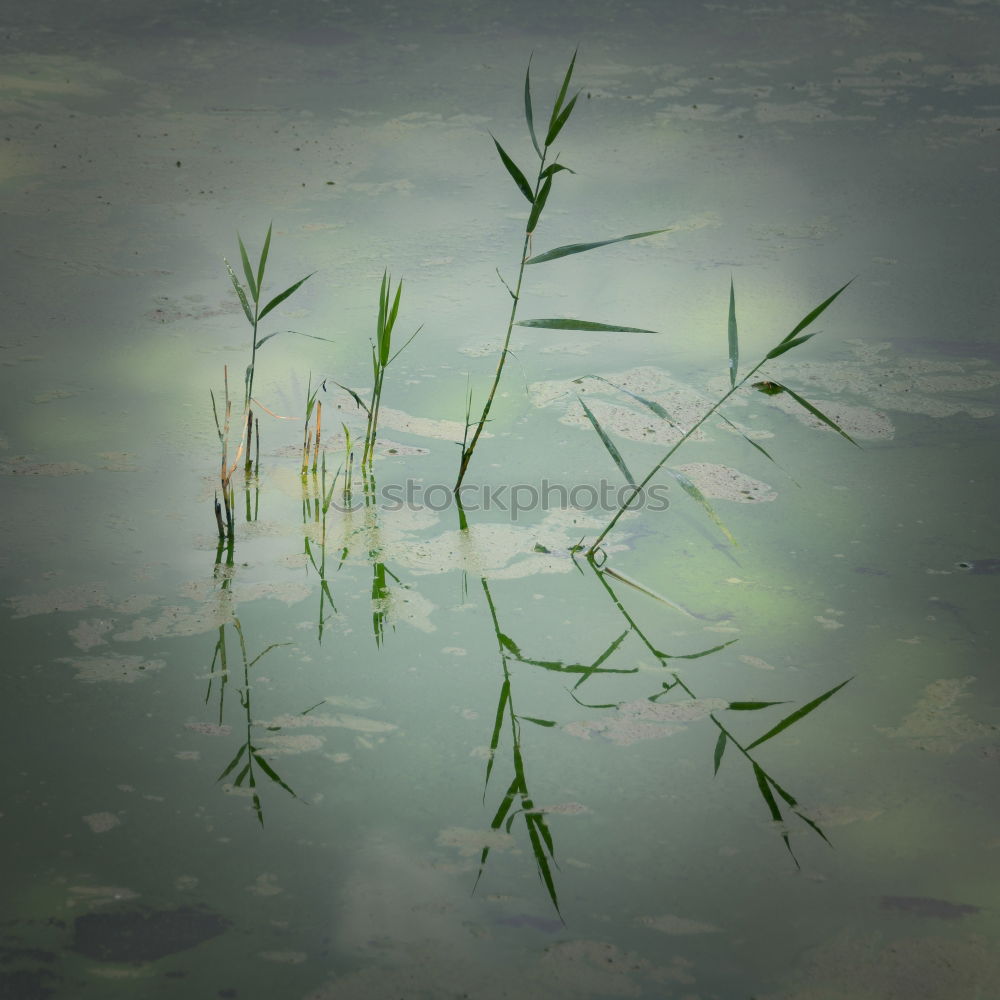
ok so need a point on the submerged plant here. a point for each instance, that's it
(789, 342)
(537, 195)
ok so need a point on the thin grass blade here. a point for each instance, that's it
(544, 871)
(514, 170)
(581, 324)
(572, 248)
(263, 257)
(278, 299)
(650, 404)
(406, 345)
(233, 762)
(272, 774)
(692, 491)
(248, 271)
(240, 293)
(720, 749)
(642, 588)
(557, 107)
(608, 444)
(554, 168)
(538, 204)
(734, 340)
(809, 317)
(805, 404)
(537, 722)
(557, 125)
(765, 791)
(529, 117)
(788, 345)
(752, 706)
(800, 713)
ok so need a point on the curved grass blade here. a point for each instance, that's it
(272, 774)
(278, 299)
(800, 713)
(537, 722)
(809, 317)
(788, 345)
(615, 574)
(648, 403)
(751, 442)
(247, 270)
(608, 444)
(233, 762)
(571, 248)
(311, 336)
(560, 121)
(538, 204)
(263, 257)
(720, 749)
(696, 494)
(580, 324)
(554, 168)
(357, 399)
(594, 667)
(772, 805)
(752, 706)
(512, 168)
(805, 404)
(239, 291)
(535, 826)
(529, 117)
(557, 107)
(791, 801)
(734, 341)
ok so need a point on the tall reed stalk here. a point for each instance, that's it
(790, 341)
(537, 195)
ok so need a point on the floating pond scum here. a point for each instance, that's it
(614, 633)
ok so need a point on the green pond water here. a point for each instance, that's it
(480, 765)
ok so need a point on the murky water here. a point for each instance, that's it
(367, 754)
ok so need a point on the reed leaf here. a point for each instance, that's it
(512, 168)
(278, 299)
(734, 340)
(751, 706)
(809, 317)
(798, 714)
(241, 294)
(248, 271)
(650, 404)
(272, 774)
(776, 352)
(233, 762)
(263, 258)
(806, 405)
(557, 107)
(720, 749)
(538, 204)
(560, 121)
(572, 248)
(537, 722)
(580, 324)
(608, 444)
(692, 491)
(529, 117)
(554, 168)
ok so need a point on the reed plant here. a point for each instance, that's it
(795, 338)
(537, 195)
(250, 299)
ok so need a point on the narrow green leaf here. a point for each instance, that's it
(589, 671)
(242, 776)
(512, 168)
(557, 107)
(696, 494)
(748, 440)
(752, 706)
(648, 403)
(272, 774)
(233, 762)
(734, 342)
(815, 826)
(278, 299)
(298, 333)
(809, 317)
(800, 713)
(240, 292)
(581, 324)
(572, 248)
(557, 125)
(544, 871)
(537, 722)
(765, 791)
(787, 345)
(642, 588)
(805, 404)
(508, 644)
(357, 399)
(263, 257)
(527, 108)
(720, 749)
(554, 168)
(538, 205)
(247, 270)
(608, 444)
